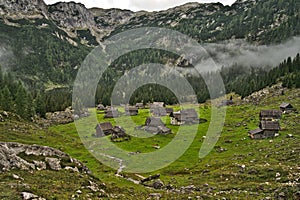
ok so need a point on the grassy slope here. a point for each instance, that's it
(221, 171)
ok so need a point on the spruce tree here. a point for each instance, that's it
(7, 101)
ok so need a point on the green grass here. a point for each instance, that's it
(222, 171)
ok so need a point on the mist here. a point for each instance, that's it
(240, 52)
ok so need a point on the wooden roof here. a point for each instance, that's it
(131, 108)
(169, 110)
(159, 111)
(154, 121)
(161, 104)
(271, 113)
(119, 129)
(256, 131)
(286, 105)
(105, 126)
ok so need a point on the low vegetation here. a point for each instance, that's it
(236, 167)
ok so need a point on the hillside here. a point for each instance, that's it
(237, 167)
(44, 45)
(255, 45)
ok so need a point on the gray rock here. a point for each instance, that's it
(79, 192)
(158, 184)
(281, 194)
(54, 163)
(30, 196)
(10, 158)
(155, 195)
(16, 176)
(40, 165)
(93, 186)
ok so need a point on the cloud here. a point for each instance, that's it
(136, 5)
(155, 5)
(242, 53)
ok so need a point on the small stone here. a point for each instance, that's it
(54, 163)
(74, 169)
(158, 184)
(15, 176)
(79, 192)
(155, 195)
(40, 165)
(282, 194)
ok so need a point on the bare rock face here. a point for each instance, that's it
(23, 8)
(72, 15)
(35, 157)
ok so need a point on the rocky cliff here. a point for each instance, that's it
(19, 9)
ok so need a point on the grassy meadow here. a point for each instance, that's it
(236, 167)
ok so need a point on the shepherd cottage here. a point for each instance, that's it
(103, 129)
(111, 113)
(131, 111)
(156, 126)
(188, 116)
(267, 129)
(287, 108)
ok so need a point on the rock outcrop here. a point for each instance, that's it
(19, 9)
(35, 157)
(72, 15)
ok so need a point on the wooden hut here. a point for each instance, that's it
(101, 107)
(267, 129)
(119, 134)
(111, 113)
(140, 105)
(103, 129)
(131, 110)
(156, 126)
(286, 108)
(187, 116)
(158, 111)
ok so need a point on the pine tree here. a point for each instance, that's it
(7, 101)
(40, 105)
(21, 102)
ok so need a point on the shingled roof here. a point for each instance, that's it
(256, 131)
(271, 113)
(154, 121)
(105, 126)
